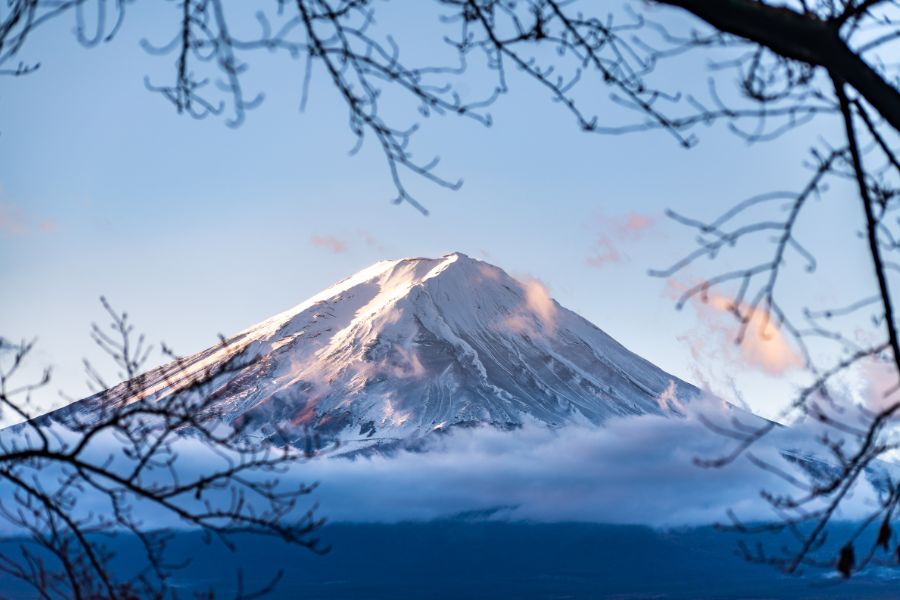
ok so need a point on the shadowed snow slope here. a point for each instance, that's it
(411, 346)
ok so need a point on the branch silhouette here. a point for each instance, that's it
(772, 69)
(114, 463)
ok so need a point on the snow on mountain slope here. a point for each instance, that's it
(410, 346)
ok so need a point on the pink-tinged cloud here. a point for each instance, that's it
(409, 366)
(371, 241)
(538, 300)
(48, 226)
(489, 272)
(15, 222)
(763, 346)
(329, 242)
(635, 223)
(615, 232)
(668, 401)
(537, 307)
(605, 252)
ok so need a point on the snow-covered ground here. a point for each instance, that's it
(407, 347)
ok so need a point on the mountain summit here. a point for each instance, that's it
(406, 347)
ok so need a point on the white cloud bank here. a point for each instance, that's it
(634, 470)
(637, 470)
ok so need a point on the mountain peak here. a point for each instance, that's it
(460, 256)
(408, 346)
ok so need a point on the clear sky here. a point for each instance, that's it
(197, 229)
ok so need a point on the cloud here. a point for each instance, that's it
(340, 245)
(538, 299)
(635, 223)
(371, 241)
(873, 383)
(329, 242)
(537, 306)
(48, 225)
(405, 364)
(635, 470)
(12, 221)
(763, 346)
(16, 222)
(614, 231)
(488, 272)
(604, 253)
(668, 401)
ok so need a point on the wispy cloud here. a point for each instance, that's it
(15, 222)
(371, 240)
(874, 383)
(330, 243)
(341, 244)
(538, 299)
(635, 470)
(537, 307)
(763, 345)
(613, 233)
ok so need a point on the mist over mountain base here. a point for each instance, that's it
(465, 558)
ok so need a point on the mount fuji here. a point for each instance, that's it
(405, 348)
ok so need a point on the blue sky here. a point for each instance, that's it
(196, 228)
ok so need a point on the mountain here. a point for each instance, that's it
(407, 347)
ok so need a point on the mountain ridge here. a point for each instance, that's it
(407, 347)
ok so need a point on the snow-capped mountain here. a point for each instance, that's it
(407, 347)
